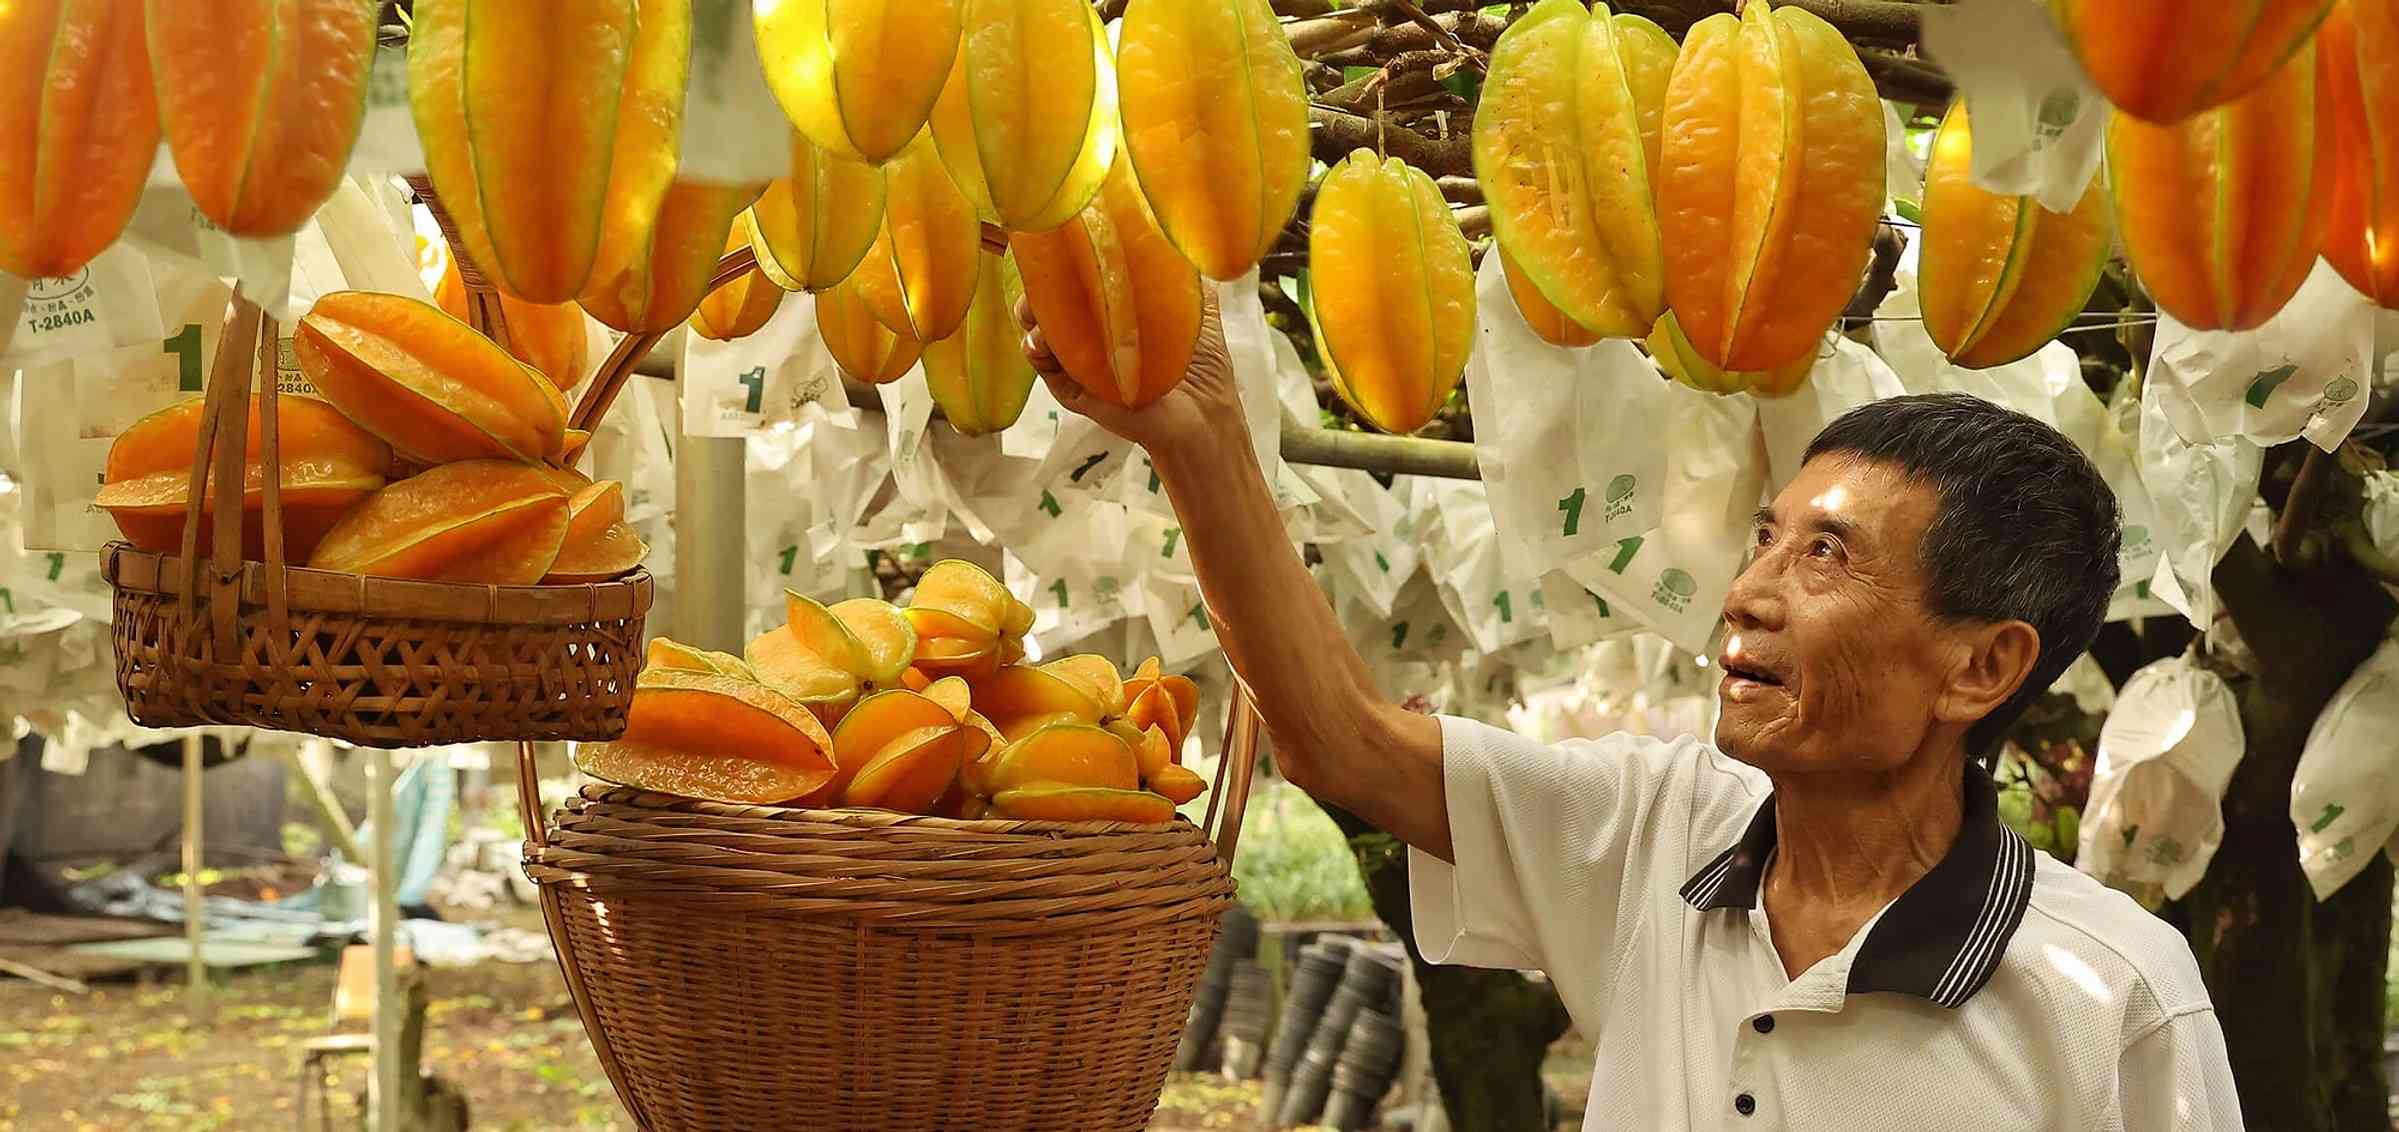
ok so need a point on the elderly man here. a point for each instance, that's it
(1819, 922)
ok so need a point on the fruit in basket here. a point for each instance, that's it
(517, 105)
(78, 130)
(739, 308)
(1216, 123)
(1771, 163)
(967, 623)
(2001, 275)
(1677, 358)
(547, 336)
(812, 225)
(918, 277)
(827, 656)
(1167, 702)
(1548, 322)
(496, 522)
(979, 376)
(260, 101)
(857, 76)
(1082, 803)
(1117, 304)
(1565, 164)
(1177, 783)
(2165, 60)
(654, 283)
(1064, 754)
(1394, 294)
(1027, 116)
(861, 345)
(902, 750)
(327, 465)
(665, 653)
(1021, 699)
(599, 545)
(2358, 63)
(425, 382)
(2223, 212)
(717, 737)
(1096, 676)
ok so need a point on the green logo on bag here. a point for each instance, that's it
(1674, 589)
(2340, 390)
(2136, 539)
(1620, 496)
(2265, 383)
(2332, 813)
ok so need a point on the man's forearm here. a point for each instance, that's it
(1336, 736)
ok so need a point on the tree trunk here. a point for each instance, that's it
(1490, 1030)
(2298, 985)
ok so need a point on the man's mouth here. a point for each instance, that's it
(1743, 671)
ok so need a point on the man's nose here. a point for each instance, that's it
(1751, 603)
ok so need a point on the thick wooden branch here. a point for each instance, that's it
(1337, 132)
(1885, 23)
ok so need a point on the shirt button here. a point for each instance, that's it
(1763, 1023)
(1745, 1104)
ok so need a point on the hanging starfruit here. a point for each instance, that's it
(860, 344)
(919, 275)
(979, 375)
(1675, 357)
(2223, 212)
(1393, 290)
(261, 101)
(1216, 121)
(857, 76)
(2001, 275)
(2358, 63)
(2165, 60)
(1772, 162)
(812, 225)
(641, 167)
(547, 336)
(1560, 153)
(739, 308)
(1547, 321)
(78, 130)
(656, 291)
(516, 104)
(1117, 304)
(1028, 120)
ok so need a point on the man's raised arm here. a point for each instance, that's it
(1335, 735)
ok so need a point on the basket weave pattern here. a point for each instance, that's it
(757, 967)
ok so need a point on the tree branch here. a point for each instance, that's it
(2299, 509)
(1337, 132)
(1887, 23)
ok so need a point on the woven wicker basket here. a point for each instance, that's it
(757, 967)
(203, 637)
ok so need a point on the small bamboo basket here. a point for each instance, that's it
(203, 637)
(760, 967)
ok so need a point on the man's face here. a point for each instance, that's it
(1833, 659)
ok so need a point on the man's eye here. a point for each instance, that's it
(1764, 538)
(1821, 548)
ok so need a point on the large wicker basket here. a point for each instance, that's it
(757, 967)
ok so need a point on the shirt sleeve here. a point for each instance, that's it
(2177, 1078)
(1549, 840)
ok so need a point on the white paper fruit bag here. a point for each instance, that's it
(2345, 794)
(2155, 813)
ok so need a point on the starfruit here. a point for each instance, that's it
(1082, 803)
(827, 656)
(516, 103)
(861, 345)
(1563, 161)
(966, 622)
(496, 522)
(739, 308)
(1117, 304)
(2358, 53)
(901, 750)
(812, 226)
(918, 277)
(2165, 60)
(425, 382)
(2222, 213)
(1065, 754)
(1028, 118)
(1216, 122)
(980, 376)
(716, 737)
(1021, 699)
(261, 101)
(1547, 321)
(651, 226)
(1678, 360)
(78, 130)
(1394, 290)
(1168, 702)
(325, 466)
(667, 273)
(2001, 275)
(1772, 163)
(666, 653)
(857, 76)
(599, 545)
(547, 336)
(1096, 676)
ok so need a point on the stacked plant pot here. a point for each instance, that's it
(1236, 944)
(1248, 1008)
(1368, 1062)
(1313, 982)
(1369, 981)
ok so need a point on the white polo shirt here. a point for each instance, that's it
(2003, 991)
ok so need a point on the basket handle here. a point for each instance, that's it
(483, 309)
(618, 369)
(1234, 772)
(218, 455)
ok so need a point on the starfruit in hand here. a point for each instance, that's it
(1117, 304)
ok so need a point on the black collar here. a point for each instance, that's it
(1943, 937)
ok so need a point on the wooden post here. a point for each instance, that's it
(195, 971)
(384, 1094)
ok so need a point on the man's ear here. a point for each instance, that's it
(1997, 660)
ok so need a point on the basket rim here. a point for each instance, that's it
(130, 569)
(872, 820)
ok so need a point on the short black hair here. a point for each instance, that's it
(2024, 528)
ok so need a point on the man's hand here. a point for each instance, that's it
(1200, 412)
